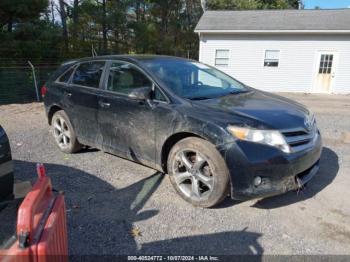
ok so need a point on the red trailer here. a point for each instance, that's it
(41, 233)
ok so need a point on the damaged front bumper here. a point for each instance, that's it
(275, 171)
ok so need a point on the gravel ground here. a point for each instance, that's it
(115, 206)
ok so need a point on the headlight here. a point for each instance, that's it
(268, 137)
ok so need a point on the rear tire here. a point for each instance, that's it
(64, 133)
(198, 172)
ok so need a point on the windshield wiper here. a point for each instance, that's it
(236, 92)
(200, 98)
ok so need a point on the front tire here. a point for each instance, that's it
(198, 172)
(64, 133)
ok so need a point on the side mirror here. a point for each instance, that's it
(142, 93)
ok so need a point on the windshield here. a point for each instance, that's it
(193, 80)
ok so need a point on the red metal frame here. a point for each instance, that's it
(41, 225)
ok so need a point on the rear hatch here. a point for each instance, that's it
(6, 167)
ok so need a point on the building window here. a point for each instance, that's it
(272, 58)
(221, 57)
(326, 64)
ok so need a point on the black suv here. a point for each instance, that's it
(213, 135)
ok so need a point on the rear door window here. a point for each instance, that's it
(89, 74)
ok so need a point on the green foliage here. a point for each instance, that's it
(36, 41)
(28, 32)
(233, 4)
(251, 4)
(107, 26)
(20, 10)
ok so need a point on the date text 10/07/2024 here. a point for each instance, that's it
(173, 258)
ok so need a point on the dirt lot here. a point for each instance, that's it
(117, 207)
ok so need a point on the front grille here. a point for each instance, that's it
(300, 139)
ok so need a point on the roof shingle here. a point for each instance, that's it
(265, 20)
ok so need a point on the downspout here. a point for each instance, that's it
(200, 47)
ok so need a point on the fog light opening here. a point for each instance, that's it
(257, 181)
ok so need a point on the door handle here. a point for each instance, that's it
(104, 104)
(67, 94)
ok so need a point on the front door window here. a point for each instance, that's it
(125, 78)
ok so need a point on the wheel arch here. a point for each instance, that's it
(53, 109)
(170, 142)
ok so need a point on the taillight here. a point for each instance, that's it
(40, 169)
(43, 91)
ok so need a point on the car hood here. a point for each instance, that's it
(263, 109)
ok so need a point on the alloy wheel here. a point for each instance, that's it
(193, 175)
(62, 133)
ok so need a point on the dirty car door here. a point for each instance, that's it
(126, 124)
(81, 99)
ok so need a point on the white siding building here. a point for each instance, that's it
(281, 51)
